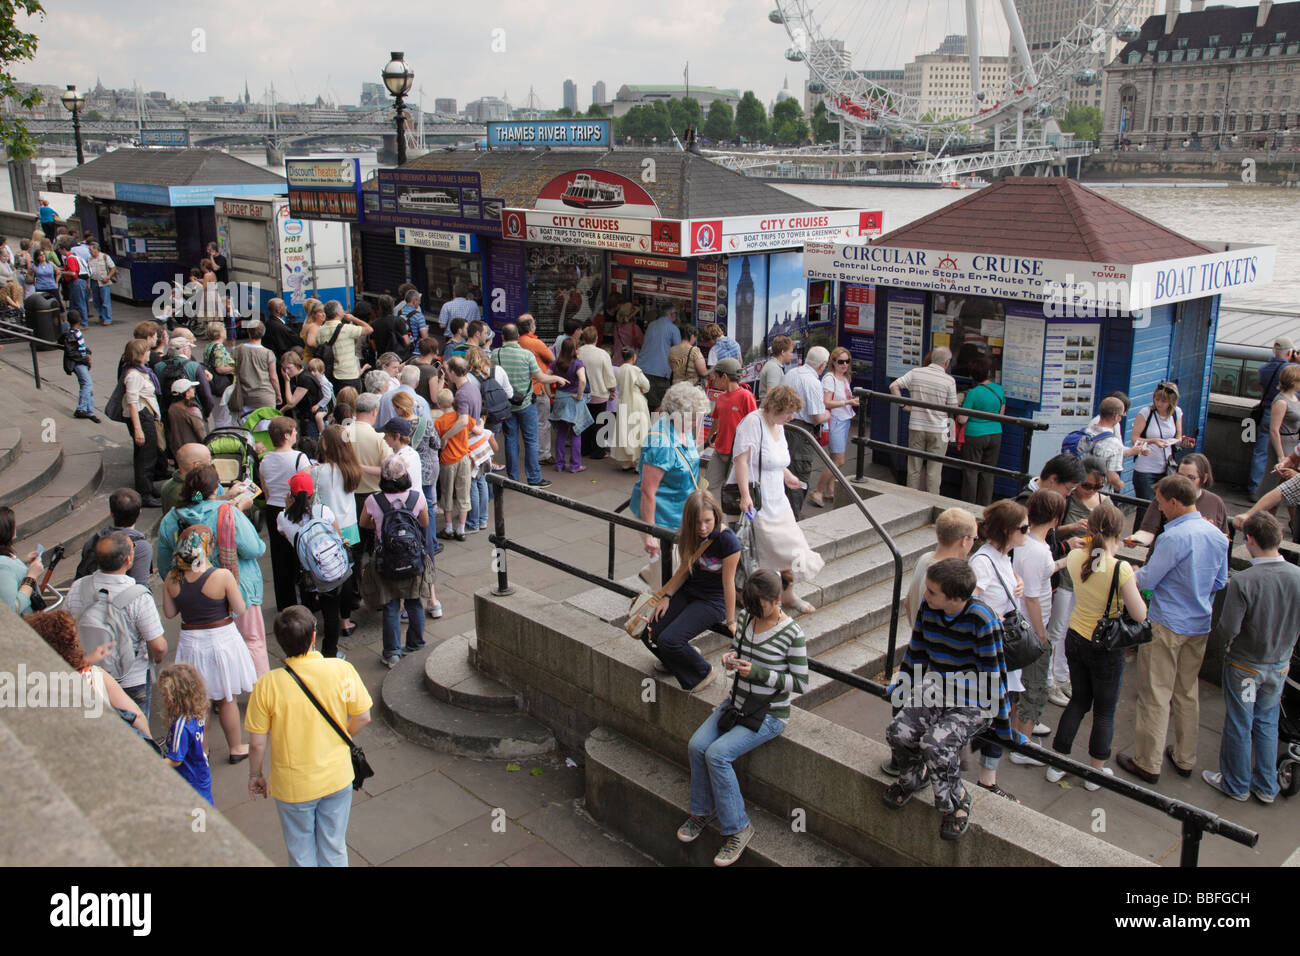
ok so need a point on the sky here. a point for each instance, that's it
(328, 48)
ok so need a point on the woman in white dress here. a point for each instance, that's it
(633, 412)
(760, 454)
(208, 600)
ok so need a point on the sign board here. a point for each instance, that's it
(597, 191)
(447, 201)
(1177, 280)
(164, 137)
(324, 189)
(649, 262)
(96, 189)
(592, 132)
(244, 209)
(176, 196)
(435, 239)
(577, 229)
(739, 234)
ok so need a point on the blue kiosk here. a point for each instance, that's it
(1070, 295)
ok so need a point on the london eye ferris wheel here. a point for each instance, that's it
(826, 35)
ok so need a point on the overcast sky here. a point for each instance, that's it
(329, 47)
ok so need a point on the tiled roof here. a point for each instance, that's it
(1229, 24)
(685, 186)
(1045, 217)
(171, 167)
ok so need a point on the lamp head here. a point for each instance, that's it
(398, 75)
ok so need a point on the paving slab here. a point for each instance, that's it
(483, 841)
(571, 832)
(409, 815)
(517, 791)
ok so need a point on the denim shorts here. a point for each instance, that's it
(840, 435)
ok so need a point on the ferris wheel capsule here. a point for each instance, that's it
(815, 87)
(794, 54)
(1128, 32)
(776, 16)
(1086, 77)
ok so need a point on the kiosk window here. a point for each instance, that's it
(969, 326)
(250, 245)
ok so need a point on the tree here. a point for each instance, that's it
(720, 125)
(16, 46)
(751, 118)
(1083, 121)
(788, 126)
(644, 123)
(562, 113)
(824, 129)
(594, 111)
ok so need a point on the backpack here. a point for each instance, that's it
(322, 555)
(87, 566)
(1080, 444)
(496, 407)
(72, 266)
(400, 554)
(105, 620)
(169, 371)
(325, 351)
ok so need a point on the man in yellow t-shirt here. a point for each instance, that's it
(311, 766)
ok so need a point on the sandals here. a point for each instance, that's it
(955, 827)
(895, 796)
(580, 468)
(994, 788)
(802, 606)
(816, 500)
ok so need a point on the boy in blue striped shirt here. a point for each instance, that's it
(952, 685)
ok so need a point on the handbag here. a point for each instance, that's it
(750, 719)
(748, 562)
(644, 604)
(1121, 631)
(731, 492)
(361, 770)
(1257, 413)
(1020, 645)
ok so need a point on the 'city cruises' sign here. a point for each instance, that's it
(1118, 286)
(741, 234)
(592, 132)
(594, 230)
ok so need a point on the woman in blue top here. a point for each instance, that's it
(983, 438)
(44, 274)
(670, 461)
(700, 594)
(16, 578)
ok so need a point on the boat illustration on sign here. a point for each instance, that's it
(587, 193)
(428, 200)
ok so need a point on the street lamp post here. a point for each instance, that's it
(398, 77)
(73, 102)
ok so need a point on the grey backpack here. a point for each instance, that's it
(103, 620)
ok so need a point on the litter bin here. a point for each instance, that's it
(44, 317)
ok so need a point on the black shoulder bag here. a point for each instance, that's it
(731, 492)
(753, 715)
(360, 767)
(1020, 645)
(1115, 633)
(1257, 413)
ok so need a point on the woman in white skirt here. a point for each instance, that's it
(208, 601)
(760, 454)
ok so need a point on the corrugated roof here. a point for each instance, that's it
(171, 167)
(1256, 325)
(685, 186)
(1046, 217)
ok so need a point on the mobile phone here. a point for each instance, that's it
(40, 551)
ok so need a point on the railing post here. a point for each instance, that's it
(36, 368)
(862, 448)
(1191, 849)
(1027, 439)
(499, 541)
(611, 551)
(665, 561)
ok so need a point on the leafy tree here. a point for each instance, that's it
(1083, 121)
(644, 123)
(594, 111)
(16, 46)
(92, 116)
(788, 126)
(720, 125)
(562, 113)
(824, 129)
(751, 118)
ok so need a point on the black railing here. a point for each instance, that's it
(10, 331)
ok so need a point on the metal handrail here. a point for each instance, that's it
(18, 332)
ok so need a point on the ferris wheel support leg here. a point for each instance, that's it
(973, 49)
(1018, 39)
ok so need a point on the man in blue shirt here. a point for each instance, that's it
(1187, 565)
(660, 336)
(1270, 373)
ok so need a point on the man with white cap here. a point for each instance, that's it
(1270, 375)
(185, 424)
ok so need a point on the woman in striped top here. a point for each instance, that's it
(770, 664)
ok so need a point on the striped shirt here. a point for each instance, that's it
(726, 347)
(929, 384)
(520, 366)
(780, 664)
(969, 643)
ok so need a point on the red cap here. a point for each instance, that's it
(301, 482)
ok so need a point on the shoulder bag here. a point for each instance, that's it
(1257, 413)
(1115, 633)
(644, 604)
(731, 492)
(1020, 645)
(361, 770)
(756, 708)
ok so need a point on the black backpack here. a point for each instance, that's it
(400, 554)
(169, 371)
(87, 565)
(496, 407)
(325, 351)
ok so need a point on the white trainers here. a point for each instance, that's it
(1041, 730)
(1056, 695)
(1024, 761)
(1054, 775)
(1089, 785)
(734, 847)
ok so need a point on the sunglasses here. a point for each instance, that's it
(1024, 528)
(841, 361)
(1089, 486)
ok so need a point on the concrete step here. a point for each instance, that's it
(11, 446)
(29, 471)
(864, 656)
(77, 480)
(70, 531)
(850, 574)
(419, 716)
(646, 798)
(842, 531)
(451, 678)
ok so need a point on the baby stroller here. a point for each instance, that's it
(235, 454)
(1288, 732)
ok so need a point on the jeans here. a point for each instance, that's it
(714, 786)
(1262, 441)
(77, 296)
(478, 501)
(316, 831)
(86, 392)
(1144, 486)
(522, 421)
(1096, 676)
(669, 638)
(103, 295)
(430, 532)
(1057, 626)
(1252, 697)
(142, 694)
(393, 626)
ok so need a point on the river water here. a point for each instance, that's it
(1233, 213)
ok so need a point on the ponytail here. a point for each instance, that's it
(300, 508)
